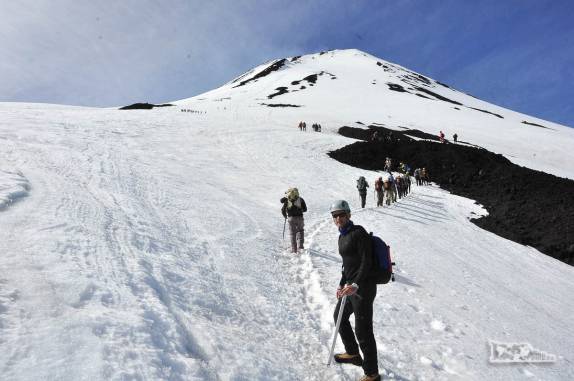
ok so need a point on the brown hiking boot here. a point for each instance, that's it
(345, 358)
(374, 377)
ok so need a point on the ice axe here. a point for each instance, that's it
(341, 308)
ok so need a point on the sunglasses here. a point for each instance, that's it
(340, 214)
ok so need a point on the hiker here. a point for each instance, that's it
(424, 176)
(362, 186)
(379, 190)
(387, 191)
(417, 174)
(392, 188)
(455, 137)
(403, 167)
(399, 186)
(388, 164)
(441, 136)
(319, 127)
(293, 208)
(356, 251)
(304, 126)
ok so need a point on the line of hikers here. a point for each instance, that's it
(387, 189)
(357, 251)
(315, 126)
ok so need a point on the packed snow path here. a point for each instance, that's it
(149, 247)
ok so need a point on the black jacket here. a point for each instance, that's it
(356, 249)
(293, 211)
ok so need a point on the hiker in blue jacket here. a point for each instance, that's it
(355, 248)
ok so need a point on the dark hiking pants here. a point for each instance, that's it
(380, 195)
(362, 307)
(297, 232)
(363, 198)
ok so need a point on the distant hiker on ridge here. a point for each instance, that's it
(455, 137)
(388, 164)
(293, 209)
(441, 136)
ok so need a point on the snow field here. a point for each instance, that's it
(149, 247)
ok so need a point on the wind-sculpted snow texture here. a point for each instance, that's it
(13, 186)
(150, 244)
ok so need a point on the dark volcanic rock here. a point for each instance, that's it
(143, 106)
(280, 90)
(279, 105)
(536, 125)
(526, 206)
(437, 96)
(488, 112)
(268, 70)
(396, 87)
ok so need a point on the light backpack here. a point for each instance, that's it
(383, 265)
(293, 198)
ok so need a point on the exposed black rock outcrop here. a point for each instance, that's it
(280, 90)
(143, 106)
(279, 105)
(488, 112)
(268, 70)
(526, 206)
(536, 125)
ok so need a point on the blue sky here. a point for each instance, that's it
(518, 54)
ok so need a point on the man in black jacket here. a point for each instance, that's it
(293, 209)
(356, 250)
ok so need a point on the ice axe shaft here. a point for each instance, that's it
(341, 308)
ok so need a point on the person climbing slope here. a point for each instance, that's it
(293, 208)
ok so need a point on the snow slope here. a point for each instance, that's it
(354, 86)
(150, 247)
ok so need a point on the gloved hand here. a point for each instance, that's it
(349, 289)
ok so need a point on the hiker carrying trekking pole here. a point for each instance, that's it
(292, 210)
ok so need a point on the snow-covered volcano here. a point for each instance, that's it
(148, 245)
(351, 85)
